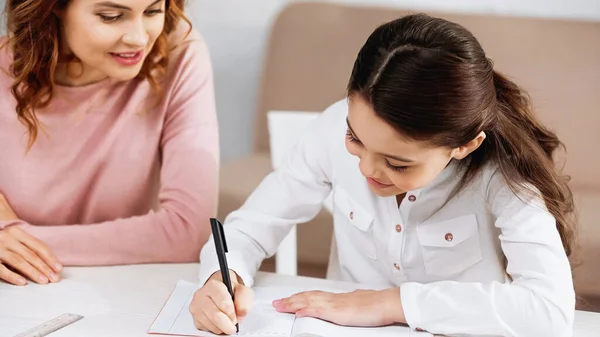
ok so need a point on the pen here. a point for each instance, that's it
(221, 247)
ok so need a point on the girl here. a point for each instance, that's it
(109, 136)
(445, 195)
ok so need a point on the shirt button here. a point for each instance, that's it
(412, 198)
(397, 266)
(398, 228)
(351, 215)
(449, 237)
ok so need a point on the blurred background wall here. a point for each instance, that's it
(236, 32)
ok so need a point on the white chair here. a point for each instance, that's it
(285, 128)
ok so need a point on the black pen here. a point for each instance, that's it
(221, 247)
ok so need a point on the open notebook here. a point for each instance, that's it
(263, 319)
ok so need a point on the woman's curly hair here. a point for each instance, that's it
(33, 38)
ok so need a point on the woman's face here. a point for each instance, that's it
(110, 38)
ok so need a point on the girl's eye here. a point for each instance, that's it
(351, 137)
(109, 18)
(395, 168)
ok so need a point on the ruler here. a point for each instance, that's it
(51, 326)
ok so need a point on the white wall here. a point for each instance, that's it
(236, 32)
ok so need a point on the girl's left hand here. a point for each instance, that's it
(357, 308)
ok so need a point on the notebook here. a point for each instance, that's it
(263, 320)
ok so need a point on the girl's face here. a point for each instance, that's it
(110, 38)
(391, 163)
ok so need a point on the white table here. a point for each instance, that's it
(123, 301)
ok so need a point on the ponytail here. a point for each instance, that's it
(457, 95)
(523, 149)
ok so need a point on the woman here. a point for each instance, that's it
(445, 197)
(109, 136)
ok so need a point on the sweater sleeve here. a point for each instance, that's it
(540, 300)
(189, 150)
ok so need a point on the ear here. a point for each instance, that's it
(463, 151)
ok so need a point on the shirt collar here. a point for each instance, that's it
(451, 171)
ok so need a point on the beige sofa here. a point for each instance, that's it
(309, 58)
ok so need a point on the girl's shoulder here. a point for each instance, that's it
(499, 194)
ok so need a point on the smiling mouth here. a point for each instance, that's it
(129, 58)
(377, 183)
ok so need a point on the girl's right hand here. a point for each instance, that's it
(22, 255)
(213, 309)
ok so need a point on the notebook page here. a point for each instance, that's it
(263, 320)
(307, 326)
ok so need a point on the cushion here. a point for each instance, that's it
(586, 274)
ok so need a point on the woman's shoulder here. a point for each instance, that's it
(5, 59)
(187, 48)
(4, 48)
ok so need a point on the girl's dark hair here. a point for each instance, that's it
(431, 80)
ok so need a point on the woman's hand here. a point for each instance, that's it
(6, 212)
(357, 308)
(24, 255)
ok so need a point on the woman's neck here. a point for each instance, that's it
(76, 74)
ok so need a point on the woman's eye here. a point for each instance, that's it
(109, 18)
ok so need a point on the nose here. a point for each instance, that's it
(136, 36)
(367, 166)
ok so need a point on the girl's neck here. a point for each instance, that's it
(399, 198)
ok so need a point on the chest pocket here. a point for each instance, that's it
(354, 227)
(450, 246)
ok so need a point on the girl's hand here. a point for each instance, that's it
(357, 308)
(212, 308)
(22, 255)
